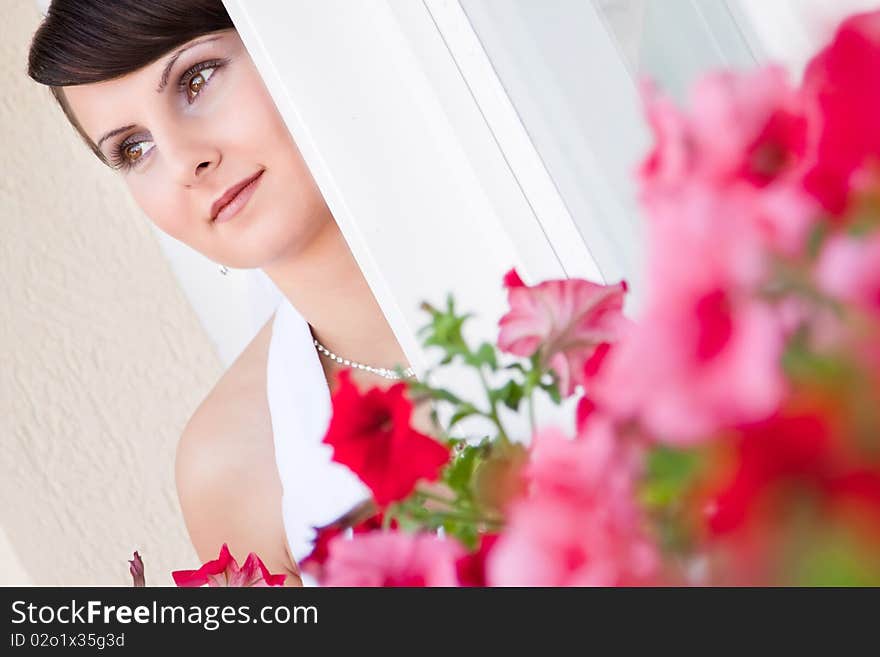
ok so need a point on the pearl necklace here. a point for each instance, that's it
(408, 373)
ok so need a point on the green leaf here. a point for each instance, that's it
(458, 475)
(816, 239)
(445, 395)
(802, 365)
(465, 410)
(552, 389)
(510, 395)
(465, 532)
(669, 474)
(485, 355)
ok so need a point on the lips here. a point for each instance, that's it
(231, 193)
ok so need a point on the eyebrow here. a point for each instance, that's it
(173, 59)
(162, 83)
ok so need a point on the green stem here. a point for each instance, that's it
(436, 498)
(388, 517)
(493, 413)
(532, 409)
(475, 518)
(532, 378)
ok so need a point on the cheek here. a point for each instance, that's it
(162, 208)
(255, 121)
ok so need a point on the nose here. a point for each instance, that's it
(189, 155)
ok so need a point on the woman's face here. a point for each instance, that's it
(187, 138)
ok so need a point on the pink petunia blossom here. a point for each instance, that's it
(732, 165)
(549, 542)
(706, 351)
(579, 524)
(136, 568)
(576, 469)
(741, 126)
(391, 558)
(724, 203)
(567, 319)
(849, 269)
(688, 370)
(224, 571)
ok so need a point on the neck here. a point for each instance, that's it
(325, 284)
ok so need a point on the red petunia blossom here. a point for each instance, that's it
(785, 487)
(224, 571)
(794, 456)
(370, 433)
(781, 449)
(569, 320)
(845, 103)
(471, 568)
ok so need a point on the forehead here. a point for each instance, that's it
(100, 107)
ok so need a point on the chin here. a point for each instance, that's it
(267, 242)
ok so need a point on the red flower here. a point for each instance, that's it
(845, 103)
(224, 571)
(471, 568)
(801, 454)
(371, 434)
(778, 450)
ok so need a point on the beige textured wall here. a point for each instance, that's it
(102, 358)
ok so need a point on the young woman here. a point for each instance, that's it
(165, 93)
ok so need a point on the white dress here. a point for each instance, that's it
(316, 490)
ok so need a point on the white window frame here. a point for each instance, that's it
(434, 191)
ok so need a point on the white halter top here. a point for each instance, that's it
(316, 490)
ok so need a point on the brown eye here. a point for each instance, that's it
(196, 83)
(130, 154)
(133, 152)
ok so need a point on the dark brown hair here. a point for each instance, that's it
(86, 41)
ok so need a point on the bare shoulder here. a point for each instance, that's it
(227, 479)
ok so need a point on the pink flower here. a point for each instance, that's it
(224, 571)
(844, 111)
(585, 410)
(691, 368)
(391, 558)
(579, 524)
(136, 568)
(744, 134)
(706, 351)
(747, 127)
(313, 563)
(566, 319)
(549, 542)
(849, 270)
(575, 469)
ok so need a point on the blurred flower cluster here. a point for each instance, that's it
(728, 435)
